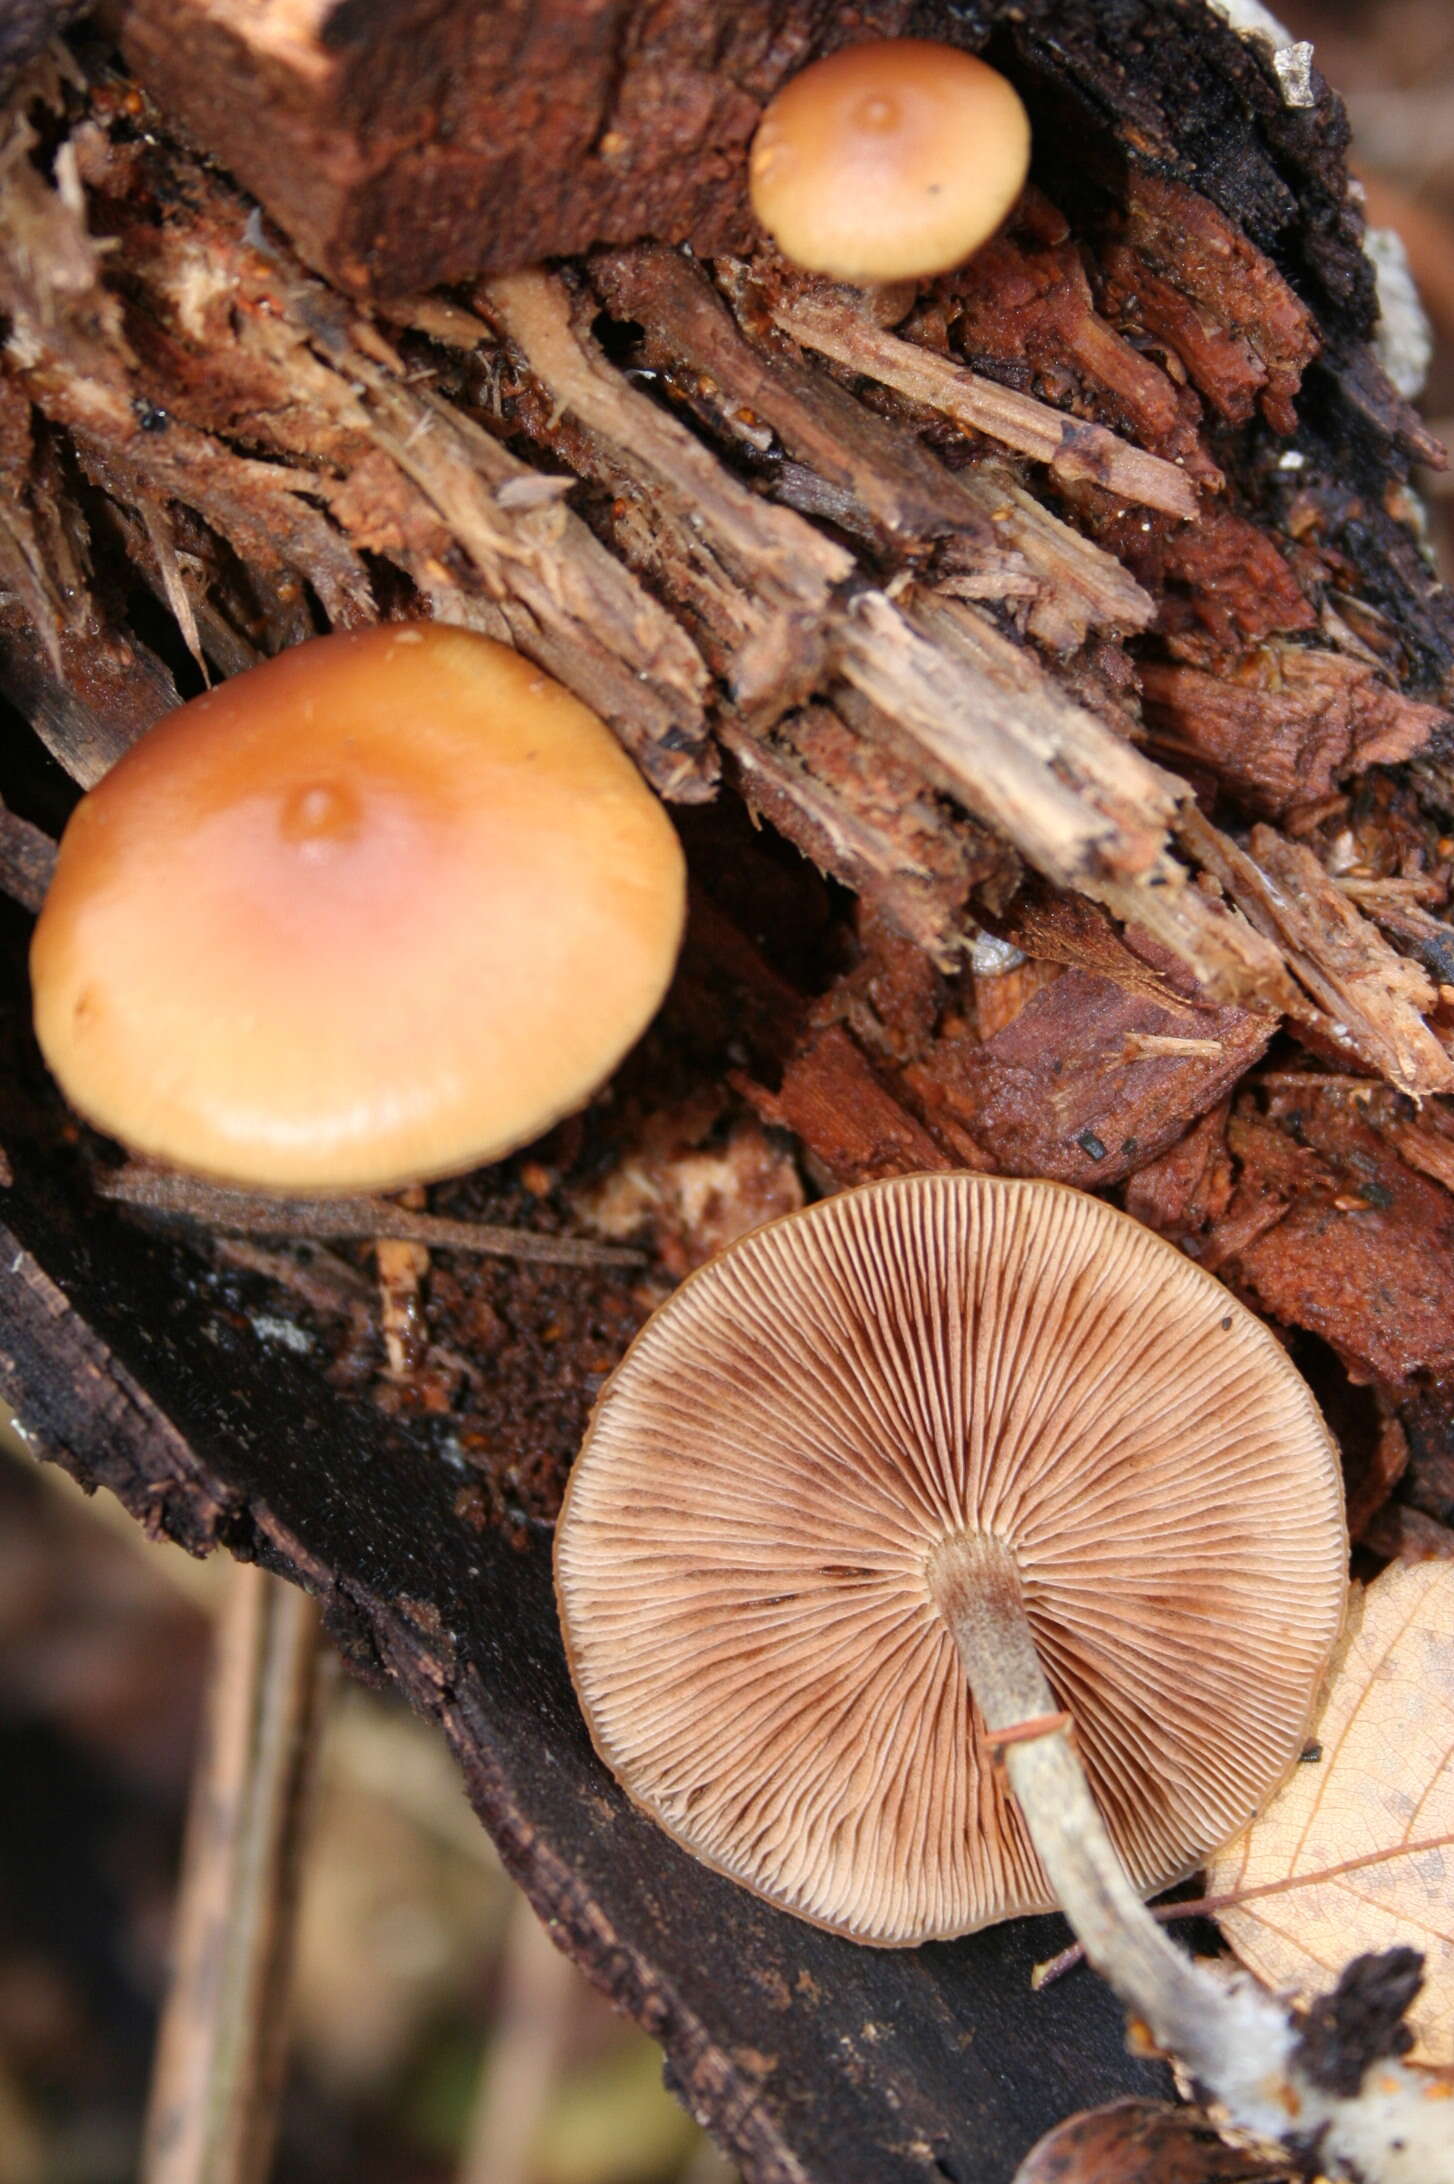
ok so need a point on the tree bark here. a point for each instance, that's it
(1130, 820)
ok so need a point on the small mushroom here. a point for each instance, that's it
(377, 910)
(947, 1436)
(890, 160)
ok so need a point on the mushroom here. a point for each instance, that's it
(890, 160)
(942, 1428)
(377, 910)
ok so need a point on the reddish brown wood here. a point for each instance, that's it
(405, 143)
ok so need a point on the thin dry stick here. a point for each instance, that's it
(1199, 1907)
(322, 1220)
(524, 2058)
(212, 2113)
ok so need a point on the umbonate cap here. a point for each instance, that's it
(887, 161)
(378, 910)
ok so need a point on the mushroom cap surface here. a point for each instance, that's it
(379, 909)
(741, 1560)
(890, 160)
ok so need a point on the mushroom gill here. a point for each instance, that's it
(933, 1399)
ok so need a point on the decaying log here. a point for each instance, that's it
(1367, 1000)
(1312, 718)
(841, 328)
(1062, 625)
(412, 144)
(808, 2057)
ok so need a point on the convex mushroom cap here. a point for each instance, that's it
(752, 1560)
(379, 909)
(891, 160)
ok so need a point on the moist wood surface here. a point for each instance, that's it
(1042, 767)
(808, 2056)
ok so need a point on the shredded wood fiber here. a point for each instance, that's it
(1000, 600)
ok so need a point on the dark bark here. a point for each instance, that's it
(913, 636)
(809, 2057)
(25, 26)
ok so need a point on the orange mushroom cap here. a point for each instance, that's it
(888, 161)
(379, 909)
(745, 1563)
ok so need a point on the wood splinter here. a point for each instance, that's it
(1145, 1046)
(838, 327)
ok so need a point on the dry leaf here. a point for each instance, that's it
(1385, 1777)
(1143, 2142)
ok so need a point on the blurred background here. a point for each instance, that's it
(438, 2034)
(1393, 63)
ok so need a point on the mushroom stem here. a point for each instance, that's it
(1234, 2038)
(976, 1587)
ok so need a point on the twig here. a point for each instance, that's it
(323, 1220)
(524, 2057)
(212, 2113)
(1201, 1907)
(1423, 890)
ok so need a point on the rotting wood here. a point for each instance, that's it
(27, 860)
(1034, 322)
(1057, 1093)
(760, 577)
(850, 1124)
(996, 732)
(839, 796)
(1290, 724)
(1080, 804)
(422, 143)
(300, 366)
(1075, 587)
(111, 688)
(906, 498)
(1081, 589)
(429, 1563)
(411, 474)
(1230, 286)
(1360, 995)
(835, 323)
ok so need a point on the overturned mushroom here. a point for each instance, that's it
(954, 1420)
(377, 910)
(948, 1420)
(890, 160)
